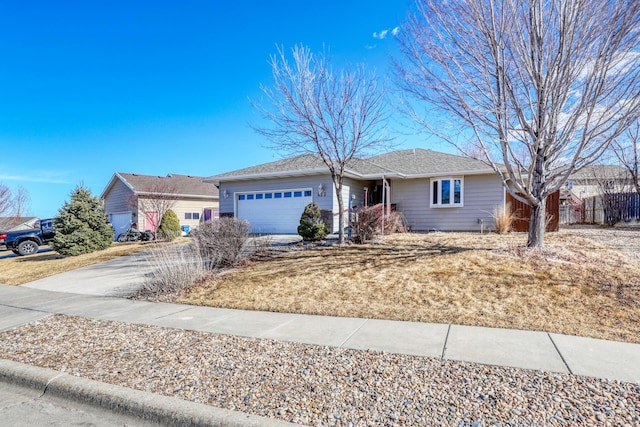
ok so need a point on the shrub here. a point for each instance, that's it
(169, 227)
(81, 225)
(311, 225)
(504, 218)
(220, 242)
(174, 268)
(368, 223)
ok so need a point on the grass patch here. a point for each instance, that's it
(574, 286)
(24, 269)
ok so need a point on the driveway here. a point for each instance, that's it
(119, 277)
(122, 277)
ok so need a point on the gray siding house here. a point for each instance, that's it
(432, 190)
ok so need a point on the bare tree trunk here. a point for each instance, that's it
(537, 225)
(337, 185)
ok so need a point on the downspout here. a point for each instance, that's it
(388, 199)
(384, 193)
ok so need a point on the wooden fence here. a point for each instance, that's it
(522, 213)
(599, 209)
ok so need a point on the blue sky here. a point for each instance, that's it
(91, 88)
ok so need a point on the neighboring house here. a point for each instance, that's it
(131, 198)
(588, 191)
(432, 190)
(596, 180)
(14, 223)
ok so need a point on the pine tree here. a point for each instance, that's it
(169, 226)
(311, 225)
(81, 225)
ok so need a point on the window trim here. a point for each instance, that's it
(451, 180)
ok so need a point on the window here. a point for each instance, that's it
(241, 197)
(196, 215)
(447, 192)
(259, 196)
(187, 215)
(268, 195)
(297, 194)
(287, 194)
(277, 195)
(192, 215)
(250, 196)
(307, 193)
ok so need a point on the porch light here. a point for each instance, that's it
(225, 194)
(321, 192)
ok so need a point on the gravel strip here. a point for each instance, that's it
(317, 385)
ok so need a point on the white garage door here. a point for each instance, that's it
(120, 223)
(271, 212)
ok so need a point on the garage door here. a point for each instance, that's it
(271, 212)
(120, 223)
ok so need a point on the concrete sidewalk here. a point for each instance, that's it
(504, 347)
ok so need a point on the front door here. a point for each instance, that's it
(151, 221)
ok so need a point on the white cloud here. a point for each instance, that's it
(381, 35)
(48, 177)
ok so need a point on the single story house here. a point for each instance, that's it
(588, 191)
(596, 180)
(432, 190)
(131, 198)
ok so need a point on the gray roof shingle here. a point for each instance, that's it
(170, 184)
(8, 223)
(419, 161)
(593, 172)
(408, 163)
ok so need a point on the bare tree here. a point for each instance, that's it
(6, 200)
(626, 150)
(541, 87)
(159, 198)
(21, 201)
(314, 110)
(613, 185)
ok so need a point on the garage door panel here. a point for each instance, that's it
(268, 214)
(120, 223)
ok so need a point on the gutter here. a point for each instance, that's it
(176, 195)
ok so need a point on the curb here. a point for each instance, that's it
(147, 406)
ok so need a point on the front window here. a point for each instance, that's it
(446, 192)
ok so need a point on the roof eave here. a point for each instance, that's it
(177, 196)
(265, 175)
(451, 173)
(112, 182)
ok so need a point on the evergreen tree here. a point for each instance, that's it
(169, 226)
(311, 225)
(81, 225)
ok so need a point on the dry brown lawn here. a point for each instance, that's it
(23, 269)
(574, 286)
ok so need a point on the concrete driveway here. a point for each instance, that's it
(119, 277)
(122, 277)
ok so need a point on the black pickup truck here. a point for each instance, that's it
(27, 242)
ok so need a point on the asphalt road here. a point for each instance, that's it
(21, 406)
